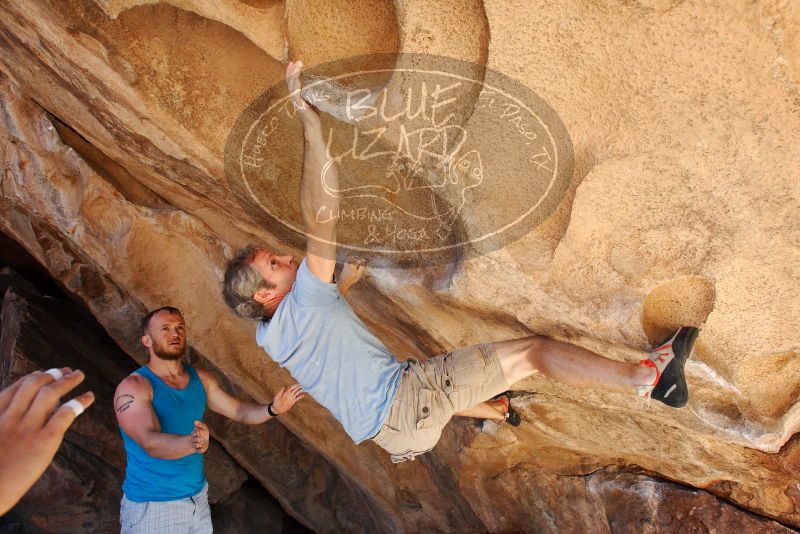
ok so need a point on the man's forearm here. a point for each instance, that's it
(318, 206)
(252, 414)
(167, 446)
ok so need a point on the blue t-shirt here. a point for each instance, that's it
(317, 337)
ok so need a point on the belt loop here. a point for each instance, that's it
(416, 368)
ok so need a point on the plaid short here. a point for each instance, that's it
(185, 516)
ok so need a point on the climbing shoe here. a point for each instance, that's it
(512, 417)
(668, 360)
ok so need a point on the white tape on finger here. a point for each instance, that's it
(55, 373)
(74, 405)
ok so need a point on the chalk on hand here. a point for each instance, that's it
(75, 405)
(55, 373)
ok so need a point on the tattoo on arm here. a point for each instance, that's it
(123, 402)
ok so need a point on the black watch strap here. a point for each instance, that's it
(269, 410)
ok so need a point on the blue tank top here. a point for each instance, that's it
(156, 479)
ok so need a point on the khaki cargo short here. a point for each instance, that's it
(432, 391)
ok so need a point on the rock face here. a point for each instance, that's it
(682, 208)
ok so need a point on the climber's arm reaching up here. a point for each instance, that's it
(314, 199)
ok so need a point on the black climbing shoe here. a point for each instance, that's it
(669, 360)
(512, 417)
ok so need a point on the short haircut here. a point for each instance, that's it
(146, 321)
(242, 280)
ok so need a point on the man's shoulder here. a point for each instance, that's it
(298, 312)
(321, 269)
(135, 383)
(206, 378)
(309, 288)
(269, 331)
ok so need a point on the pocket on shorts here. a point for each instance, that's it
(424, 407)
(397, 445)
(410, 429)
(385, 436)
(465, 369)
(133, 513)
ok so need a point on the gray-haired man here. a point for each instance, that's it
(305, 326)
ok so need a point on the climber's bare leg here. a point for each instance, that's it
(492, 409)
(569, 364)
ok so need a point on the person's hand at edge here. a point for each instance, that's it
(33, 422)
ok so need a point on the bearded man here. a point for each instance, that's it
(159, 408)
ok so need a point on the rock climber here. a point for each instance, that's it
(306, 326)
